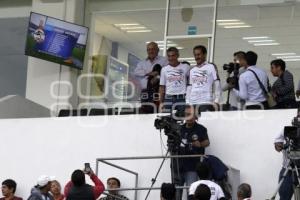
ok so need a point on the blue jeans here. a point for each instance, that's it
(187, 178)
(176, 102)
(286, 189)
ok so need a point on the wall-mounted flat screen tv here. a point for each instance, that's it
(55, 40)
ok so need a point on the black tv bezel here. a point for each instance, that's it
(60, 63)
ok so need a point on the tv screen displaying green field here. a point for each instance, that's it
(55, 40)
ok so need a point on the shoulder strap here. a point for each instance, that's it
(259, 82)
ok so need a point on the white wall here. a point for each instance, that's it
(9, 9)
(31, 147)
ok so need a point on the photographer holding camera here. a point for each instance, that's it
(253, 84)
(194, 140)
(234, 70)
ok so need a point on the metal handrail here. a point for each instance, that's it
(104, 160)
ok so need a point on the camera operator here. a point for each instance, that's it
(286, 189)
(234, 70)
(194, 140)
(252, 84)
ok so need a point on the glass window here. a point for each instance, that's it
(190, 17)
(120, 31)
(269, 29)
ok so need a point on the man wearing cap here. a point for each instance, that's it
(41, 190)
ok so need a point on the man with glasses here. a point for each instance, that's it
(194, 140)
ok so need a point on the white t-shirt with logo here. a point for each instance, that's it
(201, 81)
(215, 189)
(174, 78)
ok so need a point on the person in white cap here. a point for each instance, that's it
(41, 190)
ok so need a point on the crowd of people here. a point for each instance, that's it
(48, 188)
(167, 82)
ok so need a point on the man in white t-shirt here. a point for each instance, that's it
(203, 172)
(173, 82)
(204, 83)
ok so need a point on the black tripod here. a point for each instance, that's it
(294, 169)
(175, 173)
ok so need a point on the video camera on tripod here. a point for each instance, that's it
(292, 147)
(292, 138)
(171, 126)
(232, 68)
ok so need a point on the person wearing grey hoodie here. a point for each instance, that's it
(41, 190)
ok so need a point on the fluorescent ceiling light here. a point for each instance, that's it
(260, 37)
(292, 60)
(258, 41)
(287, 57)
(190, 58)
(231, 23)
(228, 20)
(138, 31)
(119, 25)
(242, 26)
(132, 27)
(267, 44)
(283, 54)
(169, 45)
(160, 42)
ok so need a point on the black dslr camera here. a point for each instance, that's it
(232, 68)
(172, 127)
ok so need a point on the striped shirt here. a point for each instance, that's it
(284, 88)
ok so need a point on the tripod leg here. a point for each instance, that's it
(280, 183)
(154, 179)
(297, 185)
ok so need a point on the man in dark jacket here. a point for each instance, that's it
(283, 88)
(41, 190)
(77, 189)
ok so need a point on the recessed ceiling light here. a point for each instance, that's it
(287, 57)
(283, 54)
(231, 23)
(169, 45)
(132, 27)
(139, 31)
(258, 41)
(260, 37)
(242, 26)
(292, 60)
(119, 25)
(228, 20)
(189, 58)
(267, 44)
(160, 42)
